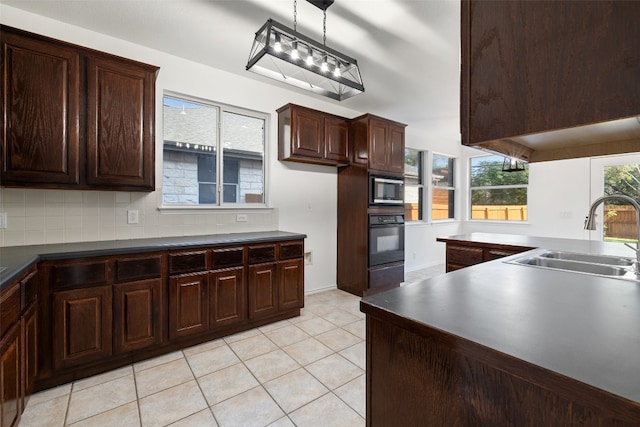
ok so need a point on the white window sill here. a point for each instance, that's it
(204, 208)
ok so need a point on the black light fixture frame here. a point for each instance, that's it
(264, 44)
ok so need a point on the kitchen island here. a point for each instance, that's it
(503, 344)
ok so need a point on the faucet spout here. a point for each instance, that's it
(590, 223)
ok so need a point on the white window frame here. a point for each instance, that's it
(221, 109)
(422, 188)
(455, 188)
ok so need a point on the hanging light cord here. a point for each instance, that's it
(295, 14)
(324, 29)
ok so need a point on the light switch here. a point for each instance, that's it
(3, 220)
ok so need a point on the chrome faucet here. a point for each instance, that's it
(590, 222)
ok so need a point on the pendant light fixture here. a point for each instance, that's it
(512, 164)
(284, 54)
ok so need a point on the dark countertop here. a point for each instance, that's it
(572, 245)
(581, 326)
(18, 259)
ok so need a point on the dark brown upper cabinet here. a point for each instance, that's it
(310, 136)
(545, 80)
(378, 143)
(75, 118)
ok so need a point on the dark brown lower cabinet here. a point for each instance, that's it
(227, 297)
(97, 313)
(82, 322)
(291, 284)
(30, 349)
(263, 290)
(188, 304)
(137, 311)
(10, 405)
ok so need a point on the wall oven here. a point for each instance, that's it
(385, 190)
(386, 239)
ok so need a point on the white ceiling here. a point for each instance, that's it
(408, 50)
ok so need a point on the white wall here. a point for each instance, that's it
(302, 198)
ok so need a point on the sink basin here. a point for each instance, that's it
(599, 265)
(581, 267)
(598, 259)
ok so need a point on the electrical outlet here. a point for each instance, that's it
(241, 218)
(3, 220)
(308, 258)
(132, 217)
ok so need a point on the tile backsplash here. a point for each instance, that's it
(60, 216)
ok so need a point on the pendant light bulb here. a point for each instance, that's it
(324, 67)
(277, 46)
(336, 71)
(294, 51)
(310, 57)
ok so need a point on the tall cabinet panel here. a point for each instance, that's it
(40, 107)
(120, 105)
(529, 67)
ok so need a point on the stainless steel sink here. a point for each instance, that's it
(598, 259)
(599, 265)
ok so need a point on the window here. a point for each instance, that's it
(413, 187)
(443, 189)
(497, 195)
(620, 223)
(196, 132)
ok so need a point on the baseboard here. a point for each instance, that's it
(318, 290)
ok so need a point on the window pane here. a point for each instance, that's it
(243, 160)
(412, 166)
(412, 203)
(442, 171)
(499, 204)
(189, 151)
(487, 171)
(412, 185)
(620, 223)
(442, 204)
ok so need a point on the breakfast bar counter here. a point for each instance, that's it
(504, 344)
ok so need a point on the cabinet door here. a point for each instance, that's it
(533, 66)
(263, 290)
(291, 284)
(120, 123)
(10, 377)
(227, 296)
(379, 137)
(336, 139)
(188, 304)
(30, 347)
(82, 326)
(40, 107)
(137, 309)
(395, 149)
(307, 127)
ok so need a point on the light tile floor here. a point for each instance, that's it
(305, 371)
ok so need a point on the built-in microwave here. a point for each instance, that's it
(384, 190)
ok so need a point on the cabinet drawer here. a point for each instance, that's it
(228, 257)
(136, 268)
(185, 262)
(259, 254)
(80, 274)
(9, 307)
(291, 250)
(499, 253)
(464, 255)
